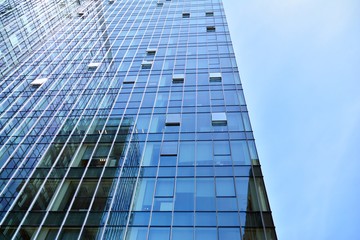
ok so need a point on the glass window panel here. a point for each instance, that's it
(161, 219)
(169, 148)
(228, 219)
(164, 187)
(69, 233)
(235, 122)
(205, 187)
(151, 154)
(142, 123)
(240, 153)
(221, 148)
(133, 233)
(206, 233)
(182, 234)
(163, 204)
(229, 233)
(246, 121)
(144, 194)
(158, 234)
(225, 187)
(203, 122)
(253, 153)
(226, 204)
(168, 160)
(173, 119)
(184, 198)
(157, 123)
(204, 153)
(140, 218)
(205, 219)
(183, 219)
(187, 153)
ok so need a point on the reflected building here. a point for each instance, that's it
(123, 119)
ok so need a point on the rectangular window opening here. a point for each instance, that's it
(151, 51)
(215, 77)
(82, 13)
(94, 65)
(219, 119)
(173, 120)
(129, 80)
(186, 15)
(210, 29)
(146, 64)
(209, 14)
(38, 82)
(159, 4)
(178, 78)
(169, 149)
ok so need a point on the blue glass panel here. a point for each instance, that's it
(226, 204)
(205, 219)
(204, 153)
(229, 233)
(205, 194)
(182, 233)
(225, 187)
(161, 219)
(183, 219)
(228, 219)
(140, 218)
(135, 233)
(207, 233)
(187, 153)
(144, 196)
(159, 234)
(164, 187)
(184, 198)
(240, 153)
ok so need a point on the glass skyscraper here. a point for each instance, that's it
(125, 119)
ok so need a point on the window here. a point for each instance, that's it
(159, 4)
(129, 80)
(218, 119)
(206, 233)
(164, 187)
(82, 13)
(111, 1)
(205, 195)
(160, 219)
(229, 233)
(38, 82)
(94, 65)
(173, 120)
(140, 218)
(169, 149)
(209, 14)
(158, 233)
(215, 77)
(184, 194)
(146, 64)
(186, 15)
(181, 233)
(151, 51)
(178, 78)
(225, 187)
(210, 29)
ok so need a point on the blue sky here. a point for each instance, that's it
(299, 61)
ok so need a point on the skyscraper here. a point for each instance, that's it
(125, 119)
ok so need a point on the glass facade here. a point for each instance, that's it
(125, 119)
